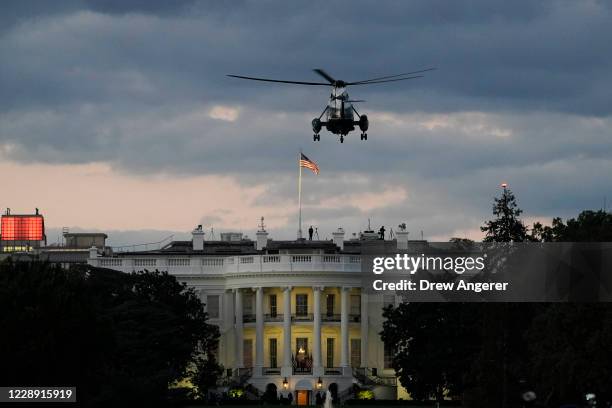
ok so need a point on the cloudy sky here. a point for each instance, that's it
(118, 116)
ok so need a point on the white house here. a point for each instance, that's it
(292, 314)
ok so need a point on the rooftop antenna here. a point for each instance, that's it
(422, 235)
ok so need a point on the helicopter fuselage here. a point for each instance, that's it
(339, 116)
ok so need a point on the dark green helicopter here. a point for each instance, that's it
(339, 114)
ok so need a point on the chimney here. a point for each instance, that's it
(339, 238)
(402, 239)
(198, 238)
(262, 237)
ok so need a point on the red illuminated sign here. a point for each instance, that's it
(22, 228)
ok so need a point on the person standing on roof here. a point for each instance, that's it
(381, 232)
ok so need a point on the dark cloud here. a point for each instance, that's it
(521, 93)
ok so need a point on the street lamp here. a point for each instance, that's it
(320, 383)
(285, 383)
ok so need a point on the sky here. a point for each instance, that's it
(118, 116)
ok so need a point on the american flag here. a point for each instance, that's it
(309, 164)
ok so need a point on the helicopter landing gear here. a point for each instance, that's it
(341, 138)
(316, 137)
(364, 136)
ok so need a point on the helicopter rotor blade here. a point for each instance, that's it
(355, 100)
(386, 80)
(390, 76)
(323, 113)
(279, 81)
(325, 75)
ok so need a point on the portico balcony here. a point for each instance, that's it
(201, 265)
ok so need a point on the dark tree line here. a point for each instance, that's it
(119, 338)
(488, 354)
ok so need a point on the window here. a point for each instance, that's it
(301, 346)
(273, 353)
(355, 305)
(273, 308)
(248, 352)
(330, 352)
(355, 352)
(388, 300)
(331, 299)
(303, 360)
(301, 304)
(389, 352)
(248, 304)
(212, 306)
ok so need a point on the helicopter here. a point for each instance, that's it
(340, 112)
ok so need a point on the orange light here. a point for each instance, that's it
(22, 228)
(504, 185)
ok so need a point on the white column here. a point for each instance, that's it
(317, 370)
(344, 330)
(287, 367)
(364, 328)
(259, 331)
(239, 330)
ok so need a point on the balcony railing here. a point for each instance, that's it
(354, 318)
(325, 317)
(190, 264)
(333, 371)
(276, 317)
(307, 317)
(302, 370)
(271, 371)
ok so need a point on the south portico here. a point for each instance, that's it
(310, 342)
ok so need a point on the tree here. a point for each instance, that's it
(589, 226)
(506, 227)
(569, 343)
(119, 338)
(434, 345)
(571, 353)
(205, 372)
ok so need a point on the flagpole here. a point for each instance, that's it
(299, 235)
